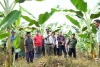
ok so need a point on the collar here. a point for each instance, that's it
(99, 27)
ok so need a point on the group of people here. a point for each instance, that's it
(49, 44)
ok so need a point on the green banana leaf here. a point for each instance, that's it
(92, 16)
(17, 23)
(3, 35)
(20, 1)
(32, 22)
(79, 13)
(80, 5)
(9, 19)
(73, 21)
(16, 42)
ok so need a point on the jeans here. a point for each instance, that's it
(43, 51)
(29, 56)
(56, 50)
(72, 51)
(37, 51)
(62, 48)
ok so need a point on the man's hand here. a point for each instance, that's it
(26, 51)
(34, 47)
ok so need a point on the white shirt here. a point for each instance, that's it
(46, 38)
(98, 34)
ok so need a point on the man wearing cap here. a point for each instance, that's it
(97, 26)
(28, 45)
(72, 46)
(37, 39)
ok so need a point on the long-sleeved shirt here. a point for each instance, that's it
(46, 38)
(60, 38)
(54, 40)
(50, 39)
(98, 34)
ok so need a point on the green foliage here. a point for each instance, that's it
(80, 5)
(43, 17)
(39, 0)
(79, 13)
(3, 35)
(56, 30)
(1, 14)
(75, 22)
(17, 23)
(84, 28)
(16, 42)
(92, 16)
(19, 1)
(94, 29)
(82, 35)
(27, 12)
(31, 21)
(9, 19)
(70, 32)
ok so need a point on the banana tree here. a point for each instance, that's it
(38, 23)
(83, 14)
(9, 17)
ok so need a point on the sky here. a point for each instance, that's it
(36, 8)
(40, 7)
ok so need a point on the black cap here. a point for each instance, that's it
(28, 33)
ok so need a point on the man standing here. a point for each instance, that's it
(57, 47)
(28, 48)
(54, 42)
(48, 43)
(97, 26)
(72, 46)
(61, 44)
(12, 39)
(37, 39)
(67, 43)
(46, 40)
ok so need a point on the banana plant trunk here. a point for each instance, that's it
(8, 62)
(93, 54)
